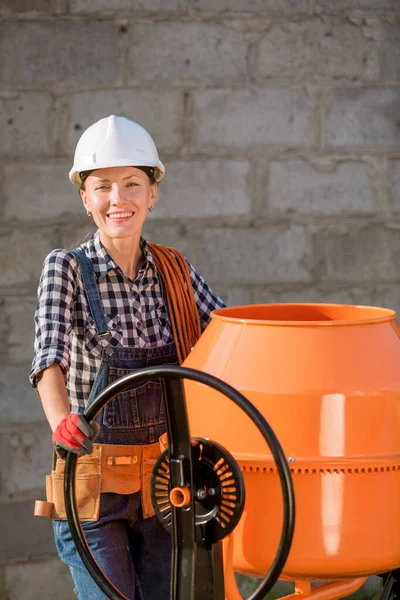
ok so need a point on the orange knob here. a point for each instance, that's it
(180, 496)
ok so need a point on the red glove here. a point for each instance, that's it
(74, 434)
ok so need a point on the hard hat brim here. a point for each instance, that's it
(74, 174)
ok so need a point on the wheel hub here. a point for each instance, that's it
(218, 491)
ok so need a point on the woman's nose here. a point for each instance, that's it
(116, 197)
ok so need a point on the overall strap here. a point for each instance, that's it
(92, 293)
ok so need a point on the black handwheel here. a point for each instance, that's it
(181, 475)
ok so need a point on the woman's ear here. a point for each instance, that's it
(83, 195)
(154, 193)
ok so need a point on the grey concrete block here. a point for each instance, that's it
(309, 293)
(367, 294)
(254, 6)
(204, 188)
(159, 111)
(345, 5)
(363, 118)
(24, 536)
(71, 236)
(25, 458)
(27, 7)
(17, 327)
(72, 52)
(46, 579)
(40, 193)
(387, 296)
(187, 52)
(19, 403)
(358, 254)
(232, 295)
(328, 47)
(394, 179)
(298, 187)
(389, 51)
(177, 236)
(251, 118)
(250, 256)
(25, 124)
(155, 7)
(21, 256)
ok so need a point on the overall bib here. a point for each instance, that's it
(134, 552)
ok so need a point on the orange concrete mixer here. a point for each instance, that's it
(327, 379)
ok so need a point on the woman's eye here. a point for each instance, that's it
(131, 184)
(101, 187)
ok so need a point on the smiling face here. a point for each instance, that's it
(119, 198)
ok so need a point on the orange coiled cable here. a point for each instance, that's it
(182, 307)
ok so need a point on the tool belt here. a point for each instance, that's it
(109, 468)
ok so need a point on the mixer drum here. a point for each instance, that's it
(327, 378)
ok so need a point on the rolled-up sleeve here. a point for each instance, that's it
(53, 314)
(206, 299)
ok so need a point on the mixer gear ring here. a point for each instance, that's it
(219, 491)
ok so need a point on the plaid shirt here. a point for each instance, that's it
(135, 313)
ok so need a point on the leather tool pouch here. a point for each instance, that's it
(87, 488)
(120, 469)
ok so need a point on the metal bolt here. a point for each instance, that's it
(212, 491)
(291, 459)
(201, 494)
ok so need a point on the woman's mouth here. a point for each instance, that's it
(120, 216)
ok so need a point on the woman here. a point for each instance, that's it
(103, 312)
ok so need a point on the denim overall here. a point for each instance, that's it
(135, 553)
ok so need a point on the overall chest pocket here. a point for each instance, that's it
(114, 336)
(142, 406)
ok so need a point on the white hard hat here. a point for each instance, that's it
(115, 142)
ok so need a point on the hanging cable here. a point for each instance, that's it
(182, 307)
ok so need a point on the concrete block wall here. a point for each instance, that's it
(279, 124)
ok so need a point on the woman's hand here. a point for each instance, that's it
(74, 434)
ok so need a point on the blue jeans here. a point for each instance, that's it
(133, 552)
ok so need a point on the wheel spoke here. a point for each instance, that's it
(177, 420)
(180, 466)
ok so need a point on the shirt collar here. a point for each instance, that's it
(147, 254)
(102, 261)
